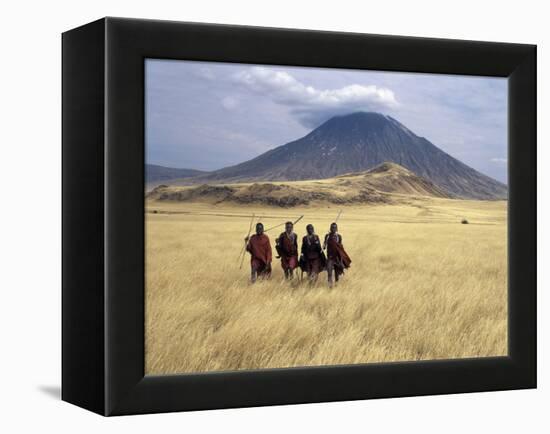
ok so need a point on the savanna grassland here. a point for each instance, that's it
(421, 286)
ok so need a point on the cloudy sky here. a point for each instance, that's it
(206, 115)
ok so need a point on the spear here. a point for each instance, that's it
(246, 239)
(338, 216)
(280, 224)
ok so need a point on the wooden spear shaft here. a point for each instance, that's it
(246, 239)
(280, 224)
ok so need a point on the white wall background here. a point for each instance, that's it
(30, 215)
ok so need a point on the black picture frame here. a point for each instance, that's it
(103, 216)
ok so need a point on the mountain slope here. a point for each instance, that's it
(386, 183)
(393, 178)
(358, 142)
(155, 173)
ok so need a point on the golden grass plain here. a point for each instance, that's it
(421, 286)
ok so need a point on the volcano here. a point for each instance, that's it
(358, 142)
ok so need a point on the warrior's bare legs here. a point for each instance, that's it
(332, 272)
(313, 277)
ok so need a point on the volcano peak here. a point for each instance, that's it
(357, 142)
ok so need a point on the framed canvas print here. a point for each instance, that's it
(257, 216)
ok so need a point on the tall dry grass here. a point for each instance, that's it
(421, 286)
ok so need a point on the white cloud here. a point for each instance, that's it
(498, 160)
(313, 106)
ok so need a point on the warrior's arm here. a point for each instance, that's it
(319, 247)
(325, 243)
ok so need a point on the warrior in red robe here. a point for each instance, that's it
(313, 257)
(287, 248)
(337, 258)
(259, 248)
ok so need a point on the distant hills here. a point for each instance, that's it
(359, 142)
(382, 184)
(155, 173)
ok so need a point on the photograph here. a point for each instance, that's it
(302, 216)
(275, 217)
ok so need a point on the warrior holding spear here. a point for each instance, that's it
(313, 258)
(287, 248)
(337, 258)
(259, 247)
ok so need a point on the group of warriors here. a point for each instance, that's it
(310, 259)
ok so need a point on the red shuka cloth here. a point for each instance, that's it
(288, 251)
(259, 248)
(335, 250)
(289, 244)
